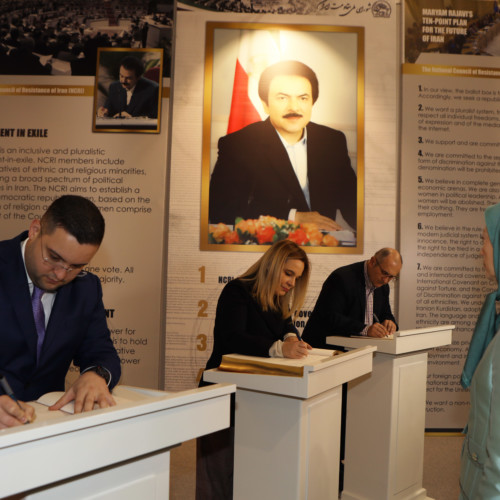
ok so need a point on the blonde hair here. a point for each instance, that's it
(265, 275)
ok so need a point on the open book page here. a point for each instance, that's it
(388, 337)
(274, 366)
(51, 398)
(42, 413)
(321, 352)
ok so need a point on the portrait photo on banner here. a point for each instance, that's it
(283, 137)
(127, 93)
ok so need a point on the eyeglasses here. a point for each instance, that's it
(56, 262)
(385, 274)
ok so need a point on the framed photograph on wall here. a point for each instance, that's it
(283, 137)
(128, 87)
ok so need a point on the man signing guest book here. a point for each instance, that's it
(354, 300)
(52, 313)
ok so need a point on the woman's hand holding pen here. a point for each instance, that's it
(14, 413)
(295, 348)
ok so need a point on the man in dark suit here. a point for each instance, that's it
(354, 300)
(285, 166)
(133, 95)
(41, 336)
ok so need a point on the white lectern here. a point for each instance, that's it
(118, 453)
(287, 429)
(385, 425)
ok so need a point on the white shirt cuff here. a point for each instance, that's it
(276, 350)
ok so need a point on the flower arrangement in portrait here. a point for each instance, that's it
(266, 230)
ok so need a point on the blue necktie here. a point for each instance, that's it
(39, 315)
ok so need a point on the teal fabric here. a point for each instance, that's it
(480, 460)
(488, 322)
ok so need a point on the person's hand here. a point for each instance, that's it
(123, 114)
(390, 326)
(88, 389)
(295, 348)
(11, 415)
(377, 330)
(323, 222)
(102, 112)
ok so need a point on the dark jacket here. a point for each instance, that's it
(340, 308)
(76, 331)
(144, 101)
(242, 327)
(253, 176)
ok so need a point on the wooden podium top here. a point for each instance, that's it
(317, 377)
(403, 342)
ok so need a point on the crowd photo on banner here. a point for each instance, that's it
(62, 38)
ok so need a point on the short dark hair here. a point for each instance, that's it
(294, 68)
(134, 64)
(76, 215)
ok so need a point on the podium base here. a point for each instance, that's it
(419, 494)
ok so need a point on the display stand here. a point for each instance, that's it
(385, 425)
(287, 429)
(122, 452)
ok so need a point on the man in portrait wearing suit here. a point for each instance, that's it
(354, 300)
(132, 95)
(285, 166)
(52, 313)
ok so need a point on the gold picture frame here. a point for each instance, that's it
(336, 55)
(143, 111)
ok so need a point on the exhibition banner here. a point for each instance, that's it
(50, 99)
(450, 172)
(211, 54)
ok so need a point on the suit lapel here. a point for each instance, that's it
(279, 161)
(122, 97)
(16, 287)
(361, 296)
(22, 306)
(315, 156)
(135, 96)
(58, 319)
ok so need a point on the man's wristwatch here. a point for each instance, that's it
(102, 372)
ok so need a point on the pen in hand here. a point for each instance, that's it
(9, 392)
(376, 320)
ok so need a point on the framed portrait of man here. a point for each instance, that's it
(283, 137)
(127, 94)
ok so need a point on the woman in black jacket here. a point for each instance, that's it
(254, 316)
